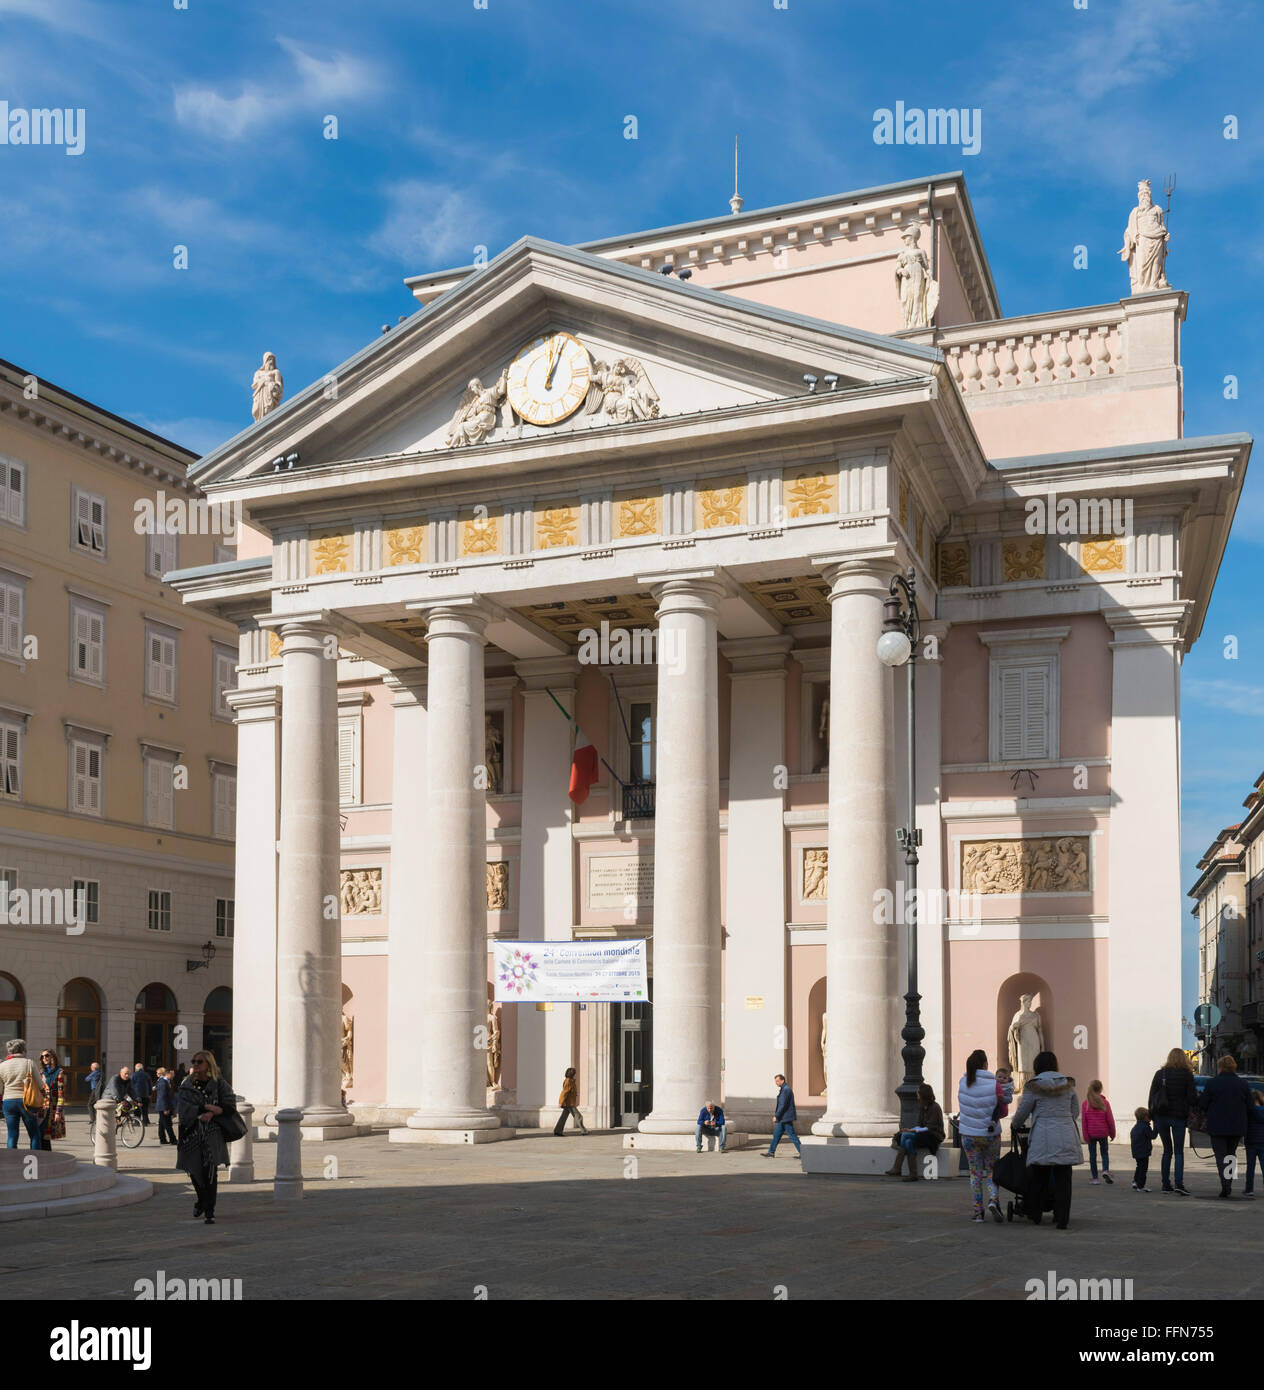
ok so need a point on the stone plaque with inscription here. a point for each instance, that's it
(615, 880)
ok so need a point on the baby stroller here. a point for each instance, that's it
(1011, 1173)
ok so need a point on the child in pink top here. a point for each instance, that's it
(1003, 1078)
(1099, 1128)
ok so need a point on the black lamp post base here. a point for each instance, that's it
(914, 1054)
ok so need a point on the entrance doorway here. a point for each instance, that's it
(12, 1008)
(79, 1036)
(217, 1029)
(632, 1051)
(155, 1026)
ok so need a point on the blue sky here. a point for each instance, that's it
(461, 127)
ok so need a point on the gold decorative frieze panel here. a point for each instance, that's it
(1023, 559)
(636, 514)
(810, 492)
(404, 543)
(330, 552)
(360, 892)
(1048, 864)
(720, 502)
(954, 564)
(274, 645)
(568, 618)
(904, 503)
(815, 886)
(804, 599)
(498, 886)
(556, 525)
(479, 531)
(1102, 554)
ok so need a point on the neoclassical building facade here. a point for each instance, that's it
(732, 434)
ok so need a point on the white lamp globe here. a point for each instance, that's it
(894, 648)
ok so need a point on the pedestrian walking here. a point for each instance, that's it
(53, 1125)
(1172, 1093)
(1227, 1099)
(94, 1080)
(23, 1094)
(1050, 1099)
(784, 1118)
(182, 1073)
(569, 1101)
(142, 1089)
(202, 1148)
(1254, 1141)
(981, 1096)
(164, 1104)
(1098, 1125)
(926, 1135)
(1142, 1137)
(711, 1121)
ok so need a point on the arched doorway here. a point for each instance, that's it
(12, 1009)
(217, 1028)
(155, 1025)
(79, 1035)
(816, 1056)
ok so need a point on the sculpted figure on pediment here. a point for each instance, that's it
(266, 387)
(919, 293)
(475, 416)
(622, 390)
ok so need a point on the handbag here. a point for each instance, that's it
(230, 1122)
(32, 1093)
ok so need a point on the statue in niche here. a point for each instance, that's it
(266, 387)
(347, 1052)
(822, 732)
(475, 416)
(1145, 244)
(824, 1054)
(815, 875)
(919, 293)
(1025, 1040)
(494, 753)
(497, 886)
(360, 892)
(493, 1046)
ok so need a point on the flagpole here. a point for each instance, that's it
(575, 724)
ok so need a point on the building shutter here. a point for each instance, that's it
(10, 771)
(1011, 712)
(1036, 712)
(11, 493)
(349, 761)
(11, 619)
(225, 808)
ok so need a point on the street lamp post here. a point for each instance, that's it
(898, 647)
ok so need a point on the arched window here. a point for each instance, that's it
(217, 1028)
(12, 1009)
(78, 1034)
(155, 1029)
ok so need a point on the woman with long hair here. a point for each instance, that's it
(201, 1148)
(979, 1100)
(53, 1125)
(1098, 1126)
(1054, 1148)
(927, 1135)
(1172, 1093)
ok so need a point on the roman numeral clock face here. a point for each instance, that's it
(549, 379)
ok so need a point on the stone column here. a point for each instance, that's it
(686, 992)
(863, 1048)
(309, 946)
(1146, 904)
(545, 871)
(755, 900)
(257, 713)
(409, 895)
(453, 984)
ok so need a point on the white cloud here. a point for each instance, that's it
(1234, 697)
(317, 83)
(429, 225)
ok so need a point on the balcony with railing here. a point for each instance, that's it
(638, 801)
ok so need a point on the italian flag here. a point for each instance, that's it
(583, 769)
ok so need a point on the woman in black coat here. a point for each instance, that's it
(201, 1146)
(1228, 1101)
(1172, 1092)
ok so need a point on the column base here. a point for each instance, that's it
(265, 1134)
(450, 1136)
(453, 1119)
(865, 1157)
(881, 1126)
(665, 1125)
(684, 1143)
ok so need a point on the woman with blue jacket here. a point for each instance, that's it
(979, 1098)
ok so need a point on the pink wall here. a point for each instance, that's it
(806, 988)
(365, 977)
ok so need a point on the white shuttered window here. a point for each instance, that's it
(87, 656)
(349, 759)
(89, 519)
(12, 491)
(225, 674)
(224, 805)
(1023, 712)
(11, 759)
(160, 795)
(12, 606)
(85, 778)
(160, 553)
(160, 665)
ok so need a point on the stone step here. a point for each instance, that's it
(685, 1143)
(118, 1191)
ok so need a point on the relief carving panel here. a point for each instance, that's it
(1053, 864)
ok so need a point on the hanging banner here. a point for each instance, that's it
(570, 972)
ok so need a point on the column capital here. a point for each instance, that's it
(254, 703)
(465, 615)
(859, 571)
(693, 591)
(407, 685)
(555, 673)
(1158, 623)
(757, 656)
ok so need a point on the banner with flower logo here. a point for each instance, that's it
(570, 972)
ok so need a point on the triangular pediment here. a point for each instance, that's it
(477, 366)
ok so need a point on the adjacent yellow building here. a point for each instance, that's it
(117, 747)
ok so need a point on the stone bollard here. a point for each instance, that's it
(288, 1184)
(105, 1136)
(241, 1153)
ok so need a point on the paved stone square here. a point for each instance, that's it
(581, 1218)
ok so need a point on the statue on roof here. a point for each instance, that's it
(919, 293)
(623, 391)
(266, 387)
(1145, 244)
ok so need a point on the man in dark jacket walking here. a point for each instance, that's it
(164, 1103)
(142, 1089)
(94, 1080)
(783, 1119)
(1228, 1101)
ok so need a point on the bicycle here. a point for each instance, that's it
(129, 1126)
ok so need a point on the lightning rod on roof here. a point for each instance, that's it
(735, 202)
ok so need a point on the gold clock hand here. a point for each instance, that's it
(554, 358)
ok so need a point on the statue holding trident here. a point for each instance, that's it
(1145, 244)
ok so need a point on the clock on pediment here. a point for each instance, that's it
(549, 378)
